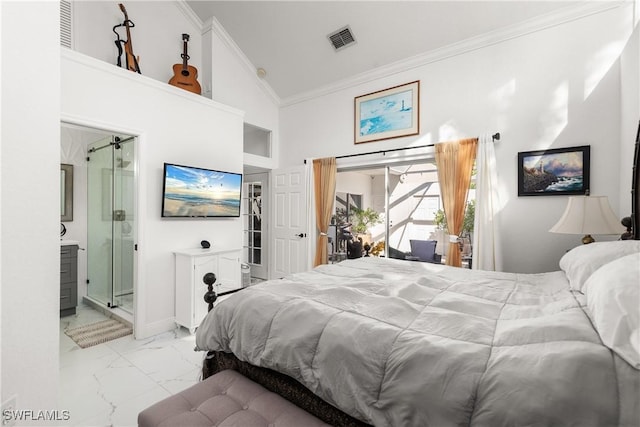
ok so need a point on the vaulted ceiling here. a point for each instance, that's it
(289, 39)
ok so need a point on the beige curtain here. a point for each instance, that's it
(455, 163)
(324, 185)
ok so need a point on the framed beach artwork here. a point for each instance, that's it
(389, 113)
(559, 171)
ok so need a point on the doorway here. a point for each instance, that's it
(111, 222)
(256, 231)
(405, 195)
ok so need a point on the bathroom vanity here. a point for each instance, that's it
(68, 277)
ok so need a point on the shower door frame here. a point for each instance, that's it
(109, 209)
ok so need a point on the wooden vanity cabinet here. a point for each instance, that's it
(68, 279)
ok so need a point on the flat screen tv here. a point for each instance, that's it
(191, 192)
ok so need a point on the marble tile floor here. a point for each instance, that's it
(109, 384)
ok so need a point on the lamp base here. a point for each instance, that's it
(588, 239)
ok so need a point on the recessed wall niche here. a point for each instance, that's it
(257, 141)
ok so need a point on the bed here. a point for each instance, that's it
(386, 342)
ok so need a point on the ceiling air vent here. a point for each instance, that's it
(65, 23)
(341, 38)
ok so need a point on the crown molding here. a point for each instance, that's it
(213, 25)
(189, 13)
(562, 16)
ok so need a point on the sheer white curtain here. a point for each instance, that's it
(487, 254)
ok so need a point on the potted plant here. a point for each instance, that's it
(441, 226)
(362, 219)
(469, 218)
(467, 227)
(440, 220)
(440, 235)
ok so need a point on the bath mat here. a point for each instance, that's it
(98, 333)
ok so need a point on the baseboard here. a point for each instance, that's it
(150, 329)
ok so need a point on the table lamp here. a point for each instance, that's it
(588, 215)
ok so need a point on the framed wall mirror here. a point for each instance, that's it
(66, 192)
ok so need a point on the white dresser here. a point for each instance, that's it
(191, 266)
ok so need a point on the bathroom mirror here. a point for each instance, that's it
(66, 192)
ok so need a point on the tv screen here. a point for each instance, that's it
(191, 192)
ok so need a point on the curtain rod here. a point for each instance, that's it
(494, 137)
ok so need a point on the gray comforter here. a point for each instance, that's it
(397, 343)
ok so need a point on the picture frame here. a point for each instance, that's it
(66, 192)
(388, 113)
(554, 172)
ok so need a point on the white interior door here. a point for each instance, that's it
(290, 221)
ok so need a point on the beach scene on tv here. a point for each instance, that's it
(193, 192)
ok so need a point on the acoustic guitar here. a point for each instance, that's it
(132, 60)
(185, 76)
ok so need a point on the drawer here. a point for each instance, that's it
(68, 270)
(68, 251)
(68, 296)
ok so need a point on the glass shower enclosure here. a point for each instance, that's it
(111, 223)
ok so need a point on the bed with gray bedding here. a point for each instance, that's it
(400, 343)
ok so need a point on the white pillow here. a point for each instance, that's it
(613, 298)
(580, 262)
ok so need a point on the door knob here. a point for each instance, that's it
(302, 235)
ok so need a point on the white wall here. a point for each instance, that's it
(557, 87)
(173, 126)
(156, 37)
(223, 72)
(234, 83)
(30, 216)
(2, 396)
(630, 114)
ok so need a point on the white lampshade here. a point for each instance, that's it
(588, 215)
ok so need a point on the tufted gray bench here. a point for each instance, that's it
(226, 399)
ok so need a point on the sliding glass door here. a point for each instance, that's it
(111, 222)
(407, 197)
(99, 226)
(413, 203)
(123, 225)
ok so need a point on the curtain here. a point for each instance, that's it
(324, 186)
(455, 164)
(486, 250)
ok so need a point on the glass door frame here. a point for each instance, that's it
(386, 164)
(98, 230)
(116, 206)
(256, 224)
(123, 222)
